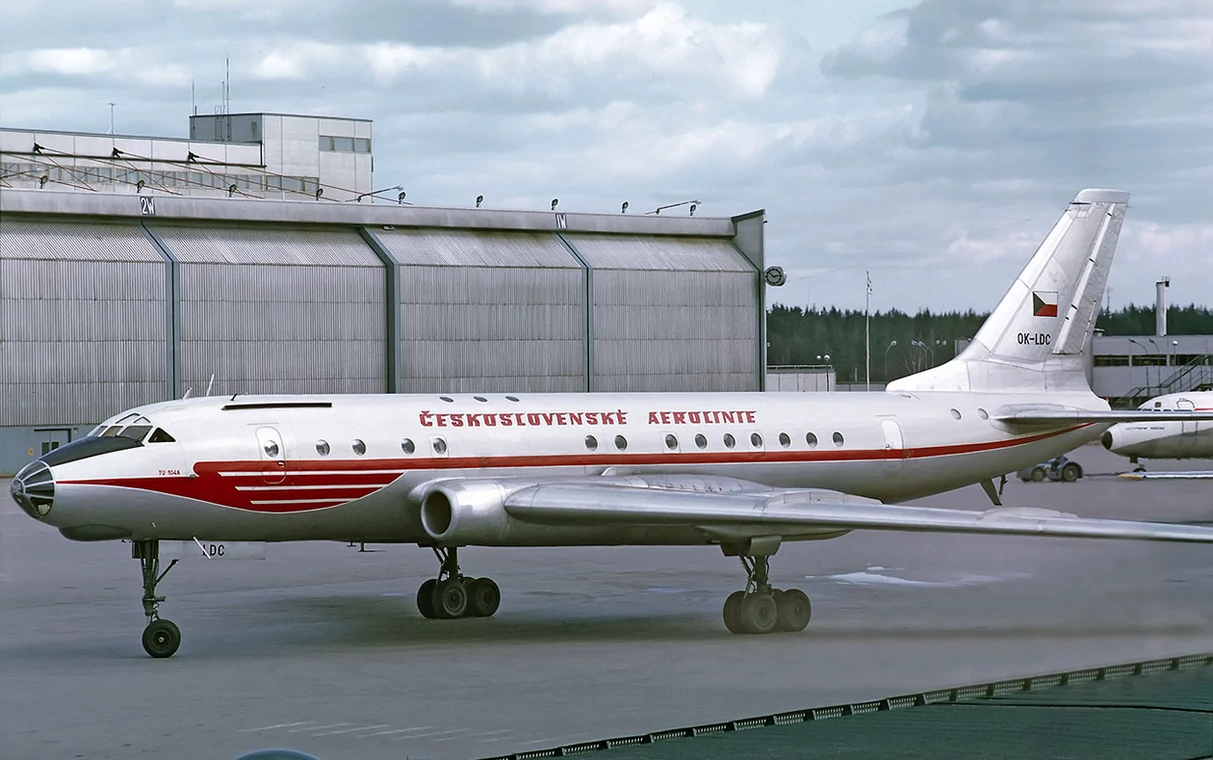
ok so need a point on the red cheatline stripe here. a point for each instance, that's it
(210, 486)
(823, 453)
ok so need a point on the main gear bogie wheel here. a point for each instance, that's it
(759, 614)
(425, 599)
(794, 610)
(732, 612)
(450, 598)
(484, 597)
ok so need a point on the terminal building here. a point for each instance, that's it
(245, 155)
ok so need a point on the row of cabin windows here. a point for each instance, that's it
(591, 442)
(730, 442)
(621, 443)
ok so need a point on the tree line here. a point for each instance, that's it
(902, 344)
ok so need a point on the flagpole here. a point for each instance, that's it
(867, 330)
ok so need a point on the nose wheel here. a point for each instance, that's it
(161, 637)
(454, 595)
(763, 609)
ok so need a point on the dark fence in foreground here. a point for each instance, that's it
(939, 696)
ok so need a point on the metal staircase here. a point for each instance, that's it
(1196, 375)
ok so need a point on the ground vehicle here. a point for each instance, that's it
(1057, 468)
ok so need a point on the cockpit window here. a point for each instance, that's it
(131, 426)
(159, 436)
(136, 432)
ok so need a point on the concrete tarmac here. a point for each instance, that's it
(320, 647)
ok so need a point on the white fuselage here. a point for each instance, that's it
(1166, 440)
(282, 468)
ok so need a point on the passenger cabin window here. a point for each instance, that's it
(756, 440)
(359, 447)
(407, 446)
(591, 443)
(838, 440)
(322, 447)
(701, 440)
(439, 446)
(621, 443)
(729, 441)
(811, 440)
(159, 436)
(785, 440)
(956, 413)
(671, 441)
(271, 448)
(982, 413)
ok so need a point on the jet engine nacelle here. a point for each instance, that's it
(459, 513)
(473, 513)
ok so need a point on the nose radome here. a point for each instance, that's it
(34, 489)
(1106, 440)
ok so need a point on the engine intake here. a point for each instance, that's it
(456, 513)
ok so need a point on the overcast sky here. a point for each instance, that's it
(933, 143)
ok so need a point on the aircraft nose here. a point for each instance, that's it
(34, 490)
(1106, 440)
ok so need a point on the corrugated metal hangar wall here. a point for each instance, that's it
(112, 301)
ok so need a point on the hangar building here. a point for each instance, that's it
(111, 300)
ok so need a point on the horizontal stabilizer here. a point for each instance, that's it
(1061, 416)
(803, 513)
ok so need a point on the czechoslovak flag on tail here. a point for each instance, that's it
(1044, 303)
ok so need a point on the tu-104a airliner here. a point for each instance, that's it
(1165, 439)
(741, 471)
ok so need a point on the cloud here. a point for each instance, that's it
(140, 65)
(934, 145)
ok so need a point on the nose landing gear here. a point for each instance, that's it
(161, 637)
(762, 609)
(453, 595)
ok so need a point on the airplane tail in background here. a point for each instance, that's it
(1035, 337)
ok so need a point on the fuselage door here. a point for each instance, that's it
(893, 440)
(273, 455)
(1186, 405)
(894, 445)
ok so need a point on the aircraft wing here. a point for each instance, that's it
(805, 513)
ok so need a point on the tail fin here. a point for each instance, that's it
(1034, 338)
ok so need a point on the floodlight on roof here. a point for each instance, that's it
(479, 200)
(43, 180)
(624, 208)
(319, 192)
(693, 207)
(554, 202)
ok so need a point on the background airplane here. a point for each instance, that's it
(742, 471)
(1165, 439)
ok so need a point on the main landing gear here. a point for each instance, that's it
(762, 609)
(453, 595)
(161, 637)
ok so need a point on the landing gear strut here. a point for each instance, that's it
(762, 609)
(161, 637)
(453, 595)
